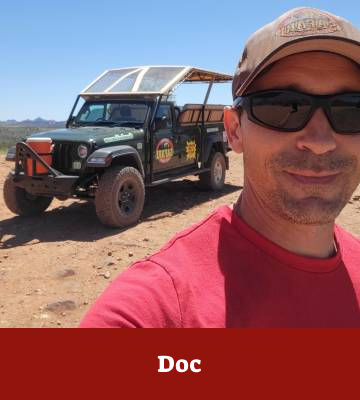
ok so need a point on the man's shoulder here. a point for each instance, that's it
(349, 243)
(346, 237)
(160, 291)
(195, 242)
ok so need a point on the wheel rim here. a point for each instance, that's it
(127, 198)
(218, 172)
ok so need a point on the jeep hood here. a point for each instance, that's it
(101, 135)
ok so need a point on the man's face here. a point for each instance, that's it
(308, 176)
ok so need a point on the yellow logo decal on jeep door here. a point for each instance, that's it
(190, 150)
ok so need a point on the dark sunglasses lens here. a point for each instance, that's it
(281, 110)
(345, 113)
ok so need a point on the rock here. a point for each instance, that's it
(61, 306)
(109, 253)
(131, 254)
(106, 274)
(65, 273)
(110, 263)
(145, 240)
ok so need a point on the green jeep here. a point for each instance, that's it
(123, 134)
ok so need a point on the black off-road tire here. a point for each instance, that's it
(120, 197)
(215, 178)
(20, 202)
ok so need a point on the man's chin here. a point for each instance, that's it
(310, 210)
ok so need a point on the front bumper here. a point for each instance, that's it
(54, 183)
(61, 185)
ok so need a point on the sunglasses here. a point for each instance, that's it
(290, 111)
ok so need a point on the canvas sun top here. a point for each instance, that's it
(149, 80)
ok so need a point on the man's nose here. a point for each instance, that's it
(317, 136)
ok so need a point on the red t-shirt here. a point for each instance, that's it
(222, 273)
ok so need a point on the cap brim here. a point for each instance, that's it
(337, 45)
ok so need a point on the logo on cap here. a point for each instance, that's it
(305, 22)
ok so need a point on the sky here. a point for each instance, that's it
(51, 50)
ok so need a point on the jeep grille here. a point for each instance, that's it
(63, 156)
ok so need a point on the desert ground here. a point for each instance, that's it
(53, 267)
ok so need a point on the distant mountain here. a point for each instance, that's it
(37, 122)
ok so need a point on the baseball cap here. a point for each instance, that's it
(296, 31)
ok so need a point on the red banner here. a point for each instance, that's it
(248, 364)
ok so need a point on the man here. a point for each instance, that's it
(276, 259)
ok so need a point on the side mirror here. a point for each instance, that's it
(11, 154)
(160, 122)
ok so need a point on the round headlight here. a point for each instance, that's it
(82, 151)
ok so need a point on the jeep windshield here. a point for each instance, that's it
(112, 113)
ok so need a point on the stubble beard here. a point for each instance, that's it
(314, 204)
(312, 210)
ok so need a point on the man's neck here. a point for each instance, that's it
(307, 240)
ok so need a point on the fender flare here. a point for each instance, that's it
(103, 157)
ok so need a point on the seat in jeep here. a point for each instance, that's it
(191, 114)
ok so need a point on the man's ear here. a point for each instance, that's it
(233, 129)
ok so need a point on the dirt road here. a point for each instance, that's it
(54, 266)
